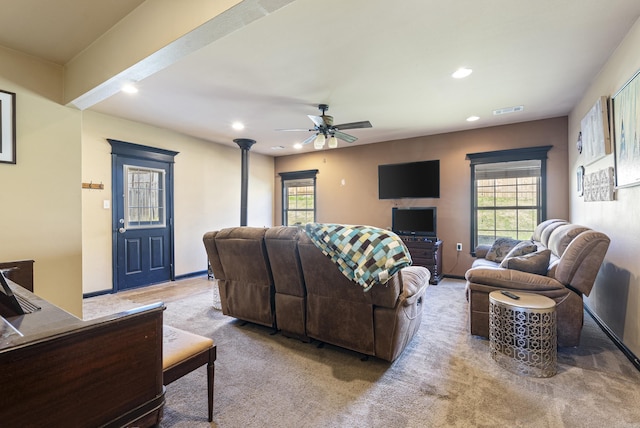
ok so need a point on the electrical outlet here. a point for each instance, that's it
(459, 246)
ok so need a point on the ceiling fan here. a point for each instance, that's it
(326, 131)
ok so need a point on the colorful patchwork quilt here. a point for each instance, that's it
(364, 254)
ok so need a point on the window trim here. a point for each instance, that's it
(297, 175)
(528, 153)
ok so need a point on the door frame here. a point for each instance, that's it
(137, 151)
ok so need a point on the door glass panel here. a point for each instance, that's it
(144, 197)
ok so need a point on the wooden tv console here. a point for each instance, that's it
(425, 252)
(58, 370)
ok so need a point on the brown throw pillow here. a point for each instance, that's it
(537, 262)
(500, 249)
(522, 248)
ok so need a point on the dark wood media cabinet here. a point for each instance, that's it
(425, 252)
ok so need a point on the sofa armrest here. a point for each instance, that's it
(408, 282)
(482, 250)
(512, 279)
(415, 279)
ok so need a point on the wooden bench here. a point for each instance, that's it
(183, 352)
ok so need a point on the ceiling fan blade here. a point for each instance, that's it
(298, 129)
(345, 137)
(354, 125)
(310, 139)
(317, 120)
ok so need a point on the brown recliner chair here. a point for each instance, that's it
(238, 258)
(291, 294)
(577, 253)
(379, 322)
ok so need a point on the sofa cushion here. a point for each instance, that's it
(539, 230)
(562, 237)
(500, 249)
(482, 250)
(546, 233)
(366, 255)
(537, 262)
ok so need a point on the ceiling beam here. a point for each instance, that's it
(151, 39)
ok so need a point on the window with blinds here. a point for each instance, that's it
(508, 200)
(298, 197)
(508, 193)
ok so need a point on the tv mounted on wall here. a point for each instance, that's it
(414, 221)
(409, 180)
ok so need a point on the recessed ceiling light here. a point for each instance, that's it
(238, 126)
(461, 73)
(129, 88)
(472, 118)
(297, 146)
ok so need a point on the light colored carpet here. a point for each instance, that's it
(445, 377)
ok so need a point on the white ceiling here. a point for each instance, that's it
(386, 62)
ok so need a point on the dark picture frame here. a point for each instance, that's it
(7, 127)
(625, 106)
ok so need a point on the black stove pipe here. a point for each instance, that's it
(245, 145)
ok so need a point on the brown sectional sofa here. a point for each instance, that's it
(277, 277)
(577, 253)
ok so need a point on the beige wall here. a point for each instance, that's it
(206, 192)
(616, 296)
(41, 194)
(356, 201)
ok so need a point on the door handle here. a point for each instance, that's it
(122, 230)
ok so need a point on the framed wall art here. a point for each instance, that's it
(7, 127)
(595, 136)
(626, 133)
(598, 186)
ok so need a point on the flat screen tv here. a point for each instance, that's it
(414, 221)
(409, 180)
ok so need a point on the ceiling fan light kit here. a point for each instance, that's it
(333, 142)
(325, 130)
(318, 143)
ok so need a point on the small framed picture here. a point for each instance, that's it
(7, 127)
(580, 180)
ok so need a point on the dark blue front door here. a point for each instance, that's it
(142, 218)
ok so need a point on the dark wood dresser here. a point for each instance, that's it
(425, 252)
